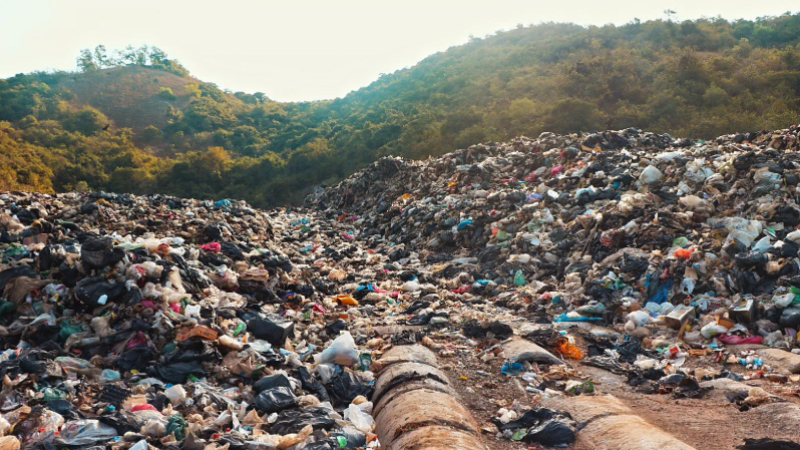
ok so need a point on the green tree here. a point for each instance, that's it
(167, 94)
(87, 121)
(86, 61)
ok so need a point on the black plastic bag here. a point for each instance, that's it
(311, 384)
(36, 360)
(275, 399)
(232, 251)
(345, 386)
(768, 444)
(14, 272)
(545, 426)
(336, 327)
(474, 329)
(273, 332)
(551, 433)
(100, 252)
(353, 437)
(194, 350)
(65, 409)
(176, 373)
(136, 358)
(272, 381)
(294, 420)
(90, 291)
(122, 421)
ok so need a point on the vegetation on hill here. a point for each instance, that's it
(136, 121)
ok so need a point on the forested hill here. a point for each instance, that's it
(136, 121)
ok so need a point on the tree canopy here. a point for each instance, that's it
(697, 79)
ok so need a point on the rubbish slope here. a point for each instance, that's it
(541, 275)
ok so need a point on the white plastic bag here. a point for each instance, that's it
(712, 329)
(362, 421)
(650, 175)
(342, 351)
(176, 394)
(639, 317)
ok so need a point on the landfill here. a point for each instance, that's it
(158, 322)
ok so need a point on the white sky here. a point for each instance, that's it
(304, 50)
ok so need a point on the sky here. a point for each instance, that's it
(299, 50)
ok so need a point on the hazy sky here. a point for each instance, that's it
(303, 50)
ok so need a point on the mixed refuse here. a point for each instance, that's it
(152, 321)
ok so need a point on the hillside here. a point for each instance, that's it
(129, 95)
(171, 133)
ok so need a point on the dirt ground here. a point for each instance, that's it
(708, 422)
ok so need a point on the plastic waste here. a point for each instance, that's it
(342, 351)
(176, 394)
(85, 432)
(362, 421)
(712, 329)
(650, 175)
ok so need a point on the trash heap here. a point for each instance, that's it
(620, 227)
(157, 322)
(136, 322)
(632, 251)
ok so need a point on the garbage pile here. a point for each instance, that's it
(622, 226)
(136, 322)
(156, 322)
(644, 249)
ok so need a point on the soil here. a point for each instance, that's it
(708, 422)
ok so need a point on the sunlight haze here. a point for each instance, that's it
(302, 50)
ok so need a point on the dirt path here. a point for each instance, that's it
(709, 422)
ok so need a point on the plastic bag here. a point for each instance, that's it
(108, 375)
(310, 384)
(650, 175)
(177, 425)
(712, 329)
(519, 278)
(291, 439)
(294, 420)
(345, 386)
(342, 351)
(176, 394)
(154, 429)
(271, 382)
(275, 399)
(273, 332)
(362, 421)
(99, 252)
(639, 318)
(567, 349)
(85, 432)
(544, 426)
(176, 372)
(733, 339)
(96, 291)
